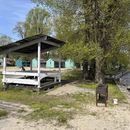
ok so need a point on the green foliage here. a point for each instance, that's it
(72, 75)
(4, 40)
(19, 29)
(37, 22)
(92, 29)
(79, 52)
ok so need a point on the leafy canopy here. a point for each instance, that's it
(91, 28)
(37, 22)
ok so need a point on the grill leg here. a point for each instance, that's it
(105, 101)
(96, 99)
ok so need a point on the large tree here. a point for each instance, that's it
(4, 40)
(20, 29)
(36, 22)
(95, 30)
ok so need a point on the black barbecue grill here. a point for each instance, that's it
(102, 94)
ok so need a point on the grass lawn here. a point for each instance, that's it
(60, 108)
(113, 91)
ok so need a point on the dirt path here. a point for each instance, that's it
(96, 118)
(15, 108)
(13, 123)
(69, 88)
(103, 119)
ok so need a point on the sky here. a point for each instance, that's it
(11, 12)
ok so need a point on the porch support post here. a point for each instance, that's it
(59, 68)
(39, 64)
(4, 67)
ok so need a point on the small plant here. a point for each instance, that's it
(63, 118)
(22, 110)
(3, 113)
(93, 114)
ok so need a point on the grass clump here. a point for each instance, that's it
(88, 85)
(51, 114)
(84, 98)
(53, 107)
(64, 117)
(93, 113)
(3, 113)
(22, 110)
(114, 92)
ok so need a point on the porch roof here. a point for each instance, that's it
(29, 44)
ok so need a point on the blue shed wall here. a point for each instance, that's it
(34, 63)
(69, 64)
(50, 63)
(19, 63)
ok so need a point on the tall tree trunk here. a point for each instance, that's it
(99, 76)
(97, 38)
(85, 70)
(89, 70)
(94, 34)
(92, 70)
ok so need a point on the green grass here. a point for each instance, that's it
(87, 85)
(113, 91)
(86, 98)
(72, 75)
(44, 112)
(3, 113)
(60, 108)
(45, 107)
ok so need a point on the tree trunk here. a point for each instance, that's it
(85, 70)
(94, 34)
(99, 76)
(89, 70)
(92, 70)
